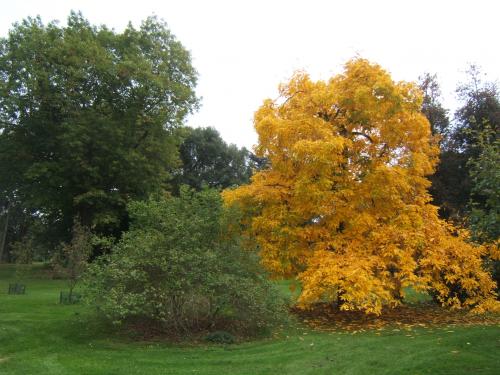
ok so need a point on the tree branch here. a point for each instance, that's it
(143, 137)
(363, 135)
(291, 96)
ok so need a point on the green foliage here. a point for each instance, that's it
(88, 119)
(450, 182)
(453, 185)
(23, 253)
(484, 219)
(480, 111)
(180, 268)
(72, 260)
(485, 198)
(220, 337)
(23, 250)
(432, 107)
(209, 161)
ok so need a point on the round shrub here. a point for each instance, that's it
(181, 268)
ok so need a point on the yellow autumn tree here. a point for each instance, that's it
(344, 205)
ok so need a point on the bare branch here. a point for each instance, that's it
(363, 135)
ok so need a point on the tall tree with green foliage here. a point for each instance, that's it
(484, 205)
(432, 107)
(485, 198)
(460, 141)
(477, 124)
(444, 189)
(480, 111)
(209, 161)
(88, 118)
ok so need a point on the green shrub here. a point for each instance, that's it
(180, 268)
(220, 337)
(71, 261)
(23, 250)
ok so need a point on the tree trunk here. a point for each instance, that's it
(4, 233)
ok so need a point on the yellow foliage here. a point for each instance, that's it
(344, 205)
(494, 250)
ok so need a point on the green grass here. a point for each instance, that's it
(39, 336)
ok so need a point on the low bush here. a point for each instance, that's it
(180, 268)
(220, 337)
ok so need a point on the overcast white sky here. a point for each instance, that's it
(244, 49)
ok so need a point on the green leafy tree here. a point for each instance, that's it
(477, 118)
(209, 161)
(432, 107)
(485, 197)
(446, 187)
(452, 184)
(484, 204)
(480, 111)
(88, 118)
(18, 225)
(180, 267)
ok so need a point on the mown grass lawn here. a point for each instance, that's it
(39, 336)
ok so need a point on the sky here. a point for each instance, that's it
(243, 49)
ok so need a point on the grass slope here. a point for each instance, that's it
(39, 336)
